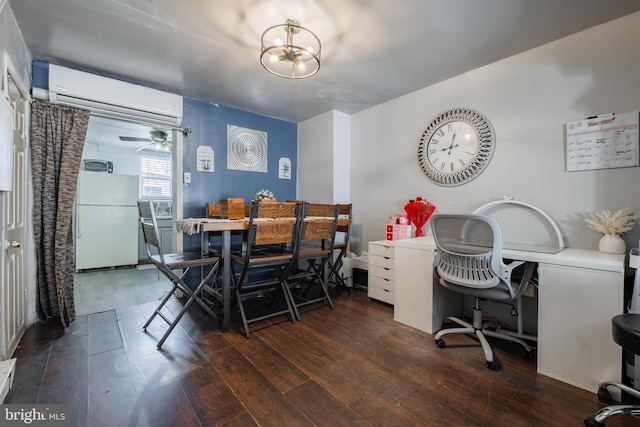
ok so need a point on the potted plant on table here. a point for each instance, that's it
(612, 225)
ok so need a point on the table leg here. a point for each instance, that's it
(226, 280)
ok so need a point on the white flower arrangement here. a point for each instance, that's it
(264, 195)
(616, 223)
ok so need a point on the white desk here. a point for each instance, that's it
(579, 292)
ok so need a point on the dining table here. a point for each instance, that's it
(223, 226)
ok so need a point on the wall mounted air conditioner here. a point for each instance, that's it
(113, 98)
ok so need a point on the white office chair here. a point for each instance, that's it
(469, 261)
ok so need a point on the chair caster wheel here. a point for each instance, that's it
(530, 355)
(604, 395)
(491, 365)
(440, 343)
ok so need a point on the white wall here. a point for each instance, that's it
(315, 159)
(324, 157)
(528, 98)
(125, 162)
(13, 50)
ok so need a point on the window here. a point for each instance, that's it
(155, 175)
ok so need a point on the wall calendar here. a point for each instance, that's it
(603, 142)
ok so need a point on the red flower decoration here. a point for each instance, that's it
(419, 211)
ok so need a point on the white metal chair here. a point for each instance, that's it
(469, 261)
(169, 264)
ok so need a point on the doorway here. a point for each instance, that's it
(130, 149)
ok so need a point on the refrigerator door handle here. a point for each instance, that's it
(78, 233)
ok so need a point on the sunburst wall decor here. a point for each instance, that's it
(246, 149)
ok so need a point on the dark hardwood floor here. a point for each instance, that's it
(352, 366)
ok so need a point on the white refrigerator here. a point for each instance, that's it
(106, 220)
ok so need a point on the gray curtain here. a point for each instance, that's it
(57, 140)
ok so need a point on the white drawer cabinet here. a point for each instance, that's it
(381, 284)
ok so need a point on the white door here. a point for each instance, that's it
(14, 291)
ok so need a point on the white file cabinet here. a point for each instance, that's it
(382, 270)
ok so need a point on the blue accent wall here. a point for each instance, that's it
(40, 74)
(208, 122)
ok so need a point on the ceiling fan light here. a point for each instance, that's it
(287, 57)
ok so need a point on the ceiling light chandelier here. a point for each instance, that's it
(289, 58)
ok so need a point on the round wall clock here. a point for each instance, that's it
(456, 146)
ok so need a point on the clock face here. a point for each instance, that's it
(456, 146)
(452, 147)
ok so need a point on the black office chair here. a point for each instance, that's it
(469, 261)
(625, 329)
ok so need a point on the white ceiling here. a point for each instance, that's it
(372, 50)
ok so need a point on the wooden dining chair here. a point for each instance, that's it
(265, 261)
(308, 281)
(175, 267)
(341, 245)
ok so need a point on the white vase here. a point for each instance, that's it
(612, 244)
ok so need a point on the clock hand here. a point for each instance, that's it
(453, 139)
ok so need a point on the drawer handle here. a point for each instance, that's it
(386, 257)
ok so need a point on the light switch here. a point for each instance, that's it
(187, 178)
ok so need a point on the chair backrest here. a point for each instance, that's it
(469, 251)
(321, 221)
(272, 223)
(344, 227)
(150, 230)
(345, 212)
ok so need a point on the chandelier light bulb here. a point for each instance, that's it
(296, 56)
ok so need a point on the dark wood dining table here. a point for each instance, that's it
(206, 226)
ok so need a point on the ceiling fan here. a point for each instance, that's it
(157, 139)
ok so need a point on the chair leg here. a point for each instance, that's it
(316, 277)
(607, 412)
(467, 328)
(508, 337)
(193, 296)
(157, 311)
(243, 315)
(334, 266)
